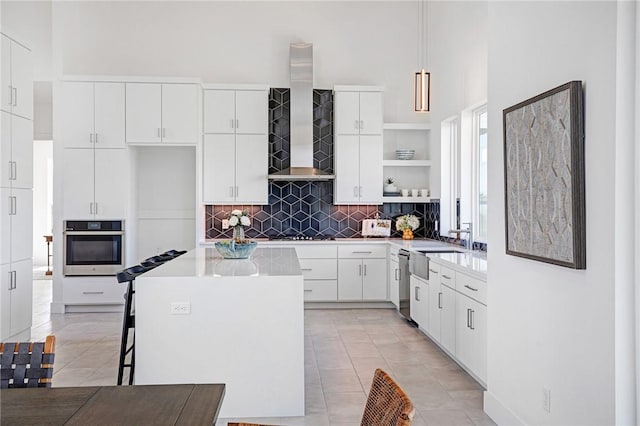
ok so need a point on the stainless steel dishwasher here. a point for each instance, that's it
(404, 285)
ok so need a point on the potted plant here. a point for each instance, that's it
(390, 187)
(407, 224)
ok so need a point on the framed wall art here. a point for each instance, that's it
(544, 177)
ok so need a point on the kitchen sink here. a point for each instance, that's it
(440, 251)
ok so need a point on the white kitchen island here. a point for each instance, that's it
(204, 319)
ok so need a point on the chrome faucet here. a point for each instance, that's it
(469, 231)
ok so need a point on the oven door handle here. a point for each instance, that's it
(93, 232)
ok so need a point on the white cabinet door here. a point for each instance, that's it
(471, 335)
(347, 115)
(180, 113)
(22, 152)
(22, 81)
(349, 279)
(251, 169)
(143, 113)
(394, 283)
(435, 301)
(77, 181)
(5, 74)
(22, 296)
(5, 149)
(371, 178)
(109, 115)
(5, 225)
(252, 111)
(22, 225)
(5, 299)
(76, 115)
(448, 319)
(347, 183)
(479, 325)
(219, 169)
(111, 179)
(371, 113)
(419, 301)
(219, 111)
(374, 279)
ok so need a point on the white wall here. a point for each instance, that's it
(553, 327)
(457, 59)
(370, 43)
(42, 198)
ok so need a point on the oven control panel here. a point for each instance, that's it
(93, 225)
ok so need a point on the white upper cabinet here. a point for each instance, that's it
(16, 151)
(158, 113)
(92, 115)
(17, 79)
(236, 111)
(358, 146)
(236, 146)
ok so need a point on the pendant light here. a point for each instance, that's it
(422, 79)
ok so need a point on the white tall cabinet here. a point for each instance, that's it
(358, 145)
(95, 168)
(236, 146)
(16, 191)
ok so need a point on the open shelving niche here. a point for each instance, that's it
(408, 174)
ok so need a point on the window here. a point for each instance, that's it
(450, 176)
(479, 176)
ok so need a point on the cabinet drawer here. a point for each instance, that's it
(393, 252)
(86, 291)
(321, 290)
(434, 272)
(319, 269)
(447, 277)
(472, 287)
(362, 251)
(311, 251)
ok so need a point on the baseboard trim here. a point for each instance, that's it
(499, 413)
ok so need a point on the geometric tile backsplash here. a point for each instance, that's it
(306, 208)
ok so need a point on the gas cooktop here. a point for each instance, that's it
(319, 237)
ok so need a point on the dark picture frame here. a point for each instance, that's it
(544, 177)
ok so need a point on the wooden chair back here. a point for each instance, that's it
(387, 404)
(27, 365)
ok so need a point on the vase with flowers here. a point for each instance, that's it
(407, 224)
(238, 247)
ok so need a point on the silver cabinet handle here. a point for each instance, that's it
(232, 123)
(472, 321)
(308, 290)
(231, 191)
(15, 97)
(439, 300)
(361, 124)
(361, 252)
(306, 269)
(91, 208)
(433, 272)
(10, 170)
(95, 138)
(164, 132)
(446, 277)
(10, 275)
(158, 132)
(237, 191)
(365, 269)
(96, 208)
(13, 205)
(15, 170)
(470, 288)
(417, 293)
(91, 137)
(237, 123)
(359, 191)
(10, 95)
(360, 270)
(395, 274)
(468, 318)
(355, 191)
(93, 292)
(355, 124)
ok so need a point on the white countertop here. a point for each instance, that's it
(207, 262)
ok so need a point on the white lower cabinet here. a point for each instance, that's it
(93, 291)
(471, 335)
(394, 282)
(419, 301)
(362, 273)
(16, 295)
(451, 308)
(318, 264)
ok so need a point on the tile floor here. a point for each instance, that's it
(342, 350)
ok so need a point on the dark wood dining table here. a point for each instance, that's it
(186, 404)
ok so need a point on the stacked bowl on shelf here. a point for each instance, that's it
(404, 154)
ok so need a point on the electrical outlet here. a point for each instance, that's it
(225, 224)
(180, 308)
(546, 400)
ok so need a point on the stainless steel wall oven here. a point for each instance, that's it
(93, 247)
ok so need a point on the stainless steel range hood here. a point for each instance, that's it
(301, 120)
